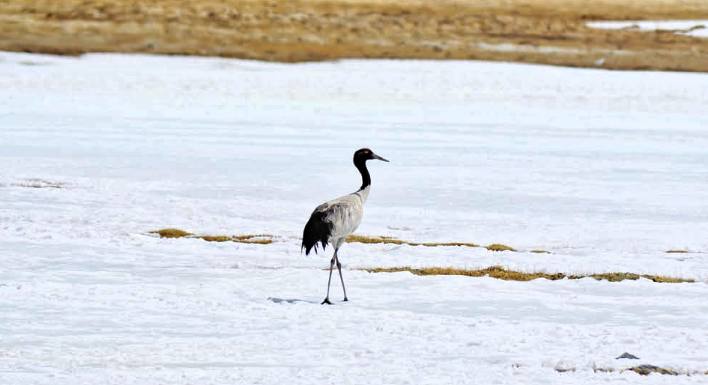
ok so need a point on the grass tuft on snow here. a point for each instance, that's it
(259, 239)
(215, 238)
(540, 251)
(617, 277)
(493, 271)
(677, 251)
(502, 273)
(499, 247)
(171, 233)
(396, 241)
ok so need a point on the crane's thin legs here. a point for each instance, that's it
(339, 267)
(331, 267)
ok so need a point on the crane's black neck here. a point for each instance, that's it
(365, 177)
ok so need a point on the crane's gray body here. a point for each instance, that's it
(343, 215)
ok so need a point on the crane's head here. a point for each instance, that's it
(364, 154)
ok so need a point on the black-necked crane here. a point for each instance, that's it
(333, 221)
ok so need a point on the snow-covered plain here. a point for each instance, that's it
(606, 170)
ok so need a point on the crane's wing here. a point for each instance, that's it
(321, 225)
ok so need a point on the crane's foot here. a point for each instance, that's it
(345, 299)
(326, 301)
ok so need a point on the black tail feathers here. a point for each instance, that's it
(317, 230)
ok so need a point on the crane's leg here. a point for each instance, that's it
(331, 267)
(339, 267)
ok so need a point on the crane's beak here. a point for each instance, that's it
(380, 158)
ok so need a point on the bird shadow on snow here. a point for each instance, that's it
(290, 300)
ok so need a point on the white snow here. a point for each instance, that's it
(607, 170)
(697, 28)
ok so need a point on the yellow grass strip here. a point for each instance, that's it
(259, 239)
(171, 233)
(499, 247)
(396, 241)
(502, 273)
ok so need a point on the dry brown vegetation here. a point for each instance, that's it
(499, 247)
(260, 239)
(171, 233)
(537, 31)
(396, 241)
(500, 272)
(265, 239)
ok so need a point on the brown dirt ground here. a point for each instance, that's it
(535, 31)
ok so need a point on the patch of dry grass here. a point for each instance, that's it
(665, 279)
(540, 251)
(499, 247)
(259, 239)
(493, 271)
(676, 251)
(617, 277)
(216, 238)
(375, 239)
(502, 273)
(171, 233)
(396, 241)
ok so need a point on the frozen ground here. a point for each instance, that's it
(607, 170)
